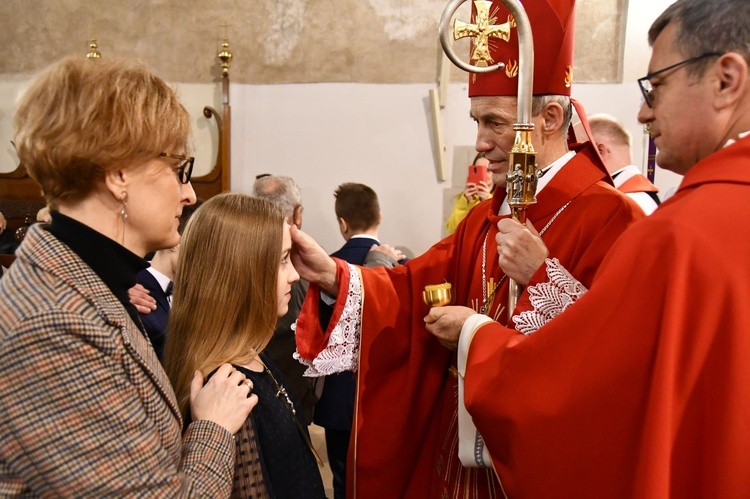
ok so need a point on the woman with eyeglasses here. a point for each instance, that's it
(233, 281)
(87, 410)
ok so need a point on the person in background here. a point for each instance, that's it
(639, 388)
(358, 215)
(614, 144)
(158, 281)
(8, 243)
(473, 194)
(283, 192)
(286, 195)
(86, 408)
(6, 246)
(234, 280)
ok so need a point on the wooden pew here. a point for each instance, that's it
(20, 200)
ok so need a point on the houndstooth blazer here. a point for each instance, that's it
(86, 408)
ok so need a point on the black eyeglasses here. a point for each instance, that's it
(184, 169)
(647, 88)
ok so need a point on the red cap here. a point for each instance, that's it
(552, 26)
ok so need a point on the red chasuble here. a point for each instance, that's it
(641, 388)
(637, 183)
(404, 429)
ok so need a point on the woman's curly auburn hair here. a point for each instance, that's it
(80, 118)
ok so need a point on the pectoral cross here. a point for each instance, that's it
(490, 294)
(482, 31)
(282, 391)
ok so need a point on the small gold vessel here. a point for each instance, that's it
(437, 295)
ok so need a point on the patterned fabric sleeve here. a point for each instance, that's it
(79, 418)
(249, 481)
(550, 298)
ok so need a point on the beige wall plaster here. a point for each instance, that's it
(273, 41)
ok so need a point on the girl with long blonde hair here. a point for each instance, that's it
(233, 280)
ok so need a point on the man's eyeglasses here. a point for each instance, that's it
(647, 88)
(184, 169)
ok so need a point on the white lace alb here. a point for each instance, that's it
(549, 299)
(342, 352)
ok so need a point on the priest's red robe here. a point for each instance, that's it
(637, 183)
(406, 400)
(642, 387)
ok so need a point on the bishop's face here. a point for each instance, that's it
(495, 116)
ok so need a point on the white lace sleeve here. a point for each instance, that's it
(342, 352)
(549, 299)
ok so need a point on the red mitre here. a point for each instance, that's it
(552, 26)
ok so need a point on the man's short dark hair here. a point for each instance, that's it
(358, 205)
(706, 26)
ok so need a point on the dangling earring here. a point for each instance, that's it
(124, 208)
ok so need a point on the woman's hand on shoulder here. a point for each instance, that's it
(226, 399)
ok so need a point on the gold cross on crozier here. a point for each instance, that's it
(482, 31)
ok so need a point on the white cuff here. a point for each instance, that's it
(471, 449)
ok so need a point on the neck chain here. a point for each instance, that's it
(281, 392)
(488, 290)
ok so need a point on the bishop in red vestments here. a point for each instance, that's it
(640, 388)
(405, 429)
